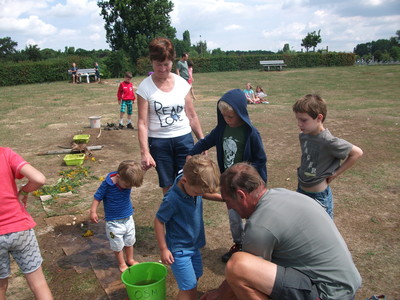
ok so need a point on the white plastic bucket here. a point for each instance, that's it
(94, 121)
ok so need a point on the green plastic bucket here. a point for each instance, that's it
(145, 281)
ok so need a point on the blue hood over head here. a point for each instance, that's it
(237, 100)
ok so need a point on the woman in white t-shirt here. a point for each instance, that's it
(166, 116)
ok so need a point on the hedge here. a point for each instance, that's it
(249, 62)
(56, 69)
(42, 71)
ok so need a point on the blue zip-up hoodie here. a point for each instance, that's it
(253, 150)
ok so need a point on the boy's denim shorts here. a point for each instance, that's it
(187, 268)
(292, 284)
(170, 156)
(128, 104)
(121, 233)
(324, 198)
(24, 248)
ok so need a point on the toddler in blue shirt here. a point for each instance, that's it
(115, 192)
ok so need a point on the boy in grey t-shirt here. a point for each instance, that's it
(321, 151)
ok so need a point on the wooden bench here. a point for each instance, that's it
(267, 64)
(85, 72)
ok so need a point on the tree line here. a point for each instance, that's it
(380, 50)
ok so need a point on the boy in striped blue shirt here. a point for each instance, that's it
(115, 192)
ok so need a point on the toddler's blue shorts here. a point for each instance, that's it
(187, 268)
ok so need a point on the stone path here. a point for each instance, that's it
(86, 254)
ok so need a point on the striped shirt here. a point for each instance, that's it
(116, 200)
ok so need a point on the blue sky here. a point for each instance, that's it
(225, 24)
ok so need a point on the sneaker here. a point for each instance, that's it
(377, 297)
(129, 126)
(235, 248)
(120, 126)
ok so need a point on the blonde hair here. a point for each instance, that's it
(311, 104)
(202, 172)
(131, 172)
(224, 107)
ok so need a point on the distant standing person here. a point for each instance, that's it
(126, 98)
(166, 116)
(115, 192)
(182, 68)
(97, 71)
(190, 81)
(321, 152)
(74, 73)
(17, 237)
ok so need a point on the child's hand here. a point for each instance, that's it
(167, 257)
(23, 199)
(93, 217)
(330, 179)
(119, 101)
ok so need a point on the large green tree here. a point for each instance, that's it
(312, 39)
(7, 46)
(131, 24)
(182, 46)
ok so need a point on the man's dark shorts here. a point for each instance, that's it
(294, 285)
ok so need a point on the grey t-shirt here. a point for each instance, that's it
(320, 157)
(292, 230)
(182, 66)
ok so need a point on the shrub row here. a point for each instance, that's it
(41, 71)
(57, 69)
(249, 62)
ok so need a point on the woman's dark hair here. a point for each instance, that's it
(161, 49)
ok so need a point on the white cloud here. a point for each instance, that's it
(74, 8)
(96, 37)
(69, 32)
(14, 9)
(232, 27)
(27, 24)
(225, 24)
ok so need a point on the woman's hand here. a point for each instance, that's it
(147, 162)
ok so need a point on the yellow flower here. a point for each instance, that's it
(88, 233)
(101, 178)
(93, 159)
(36, 193)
